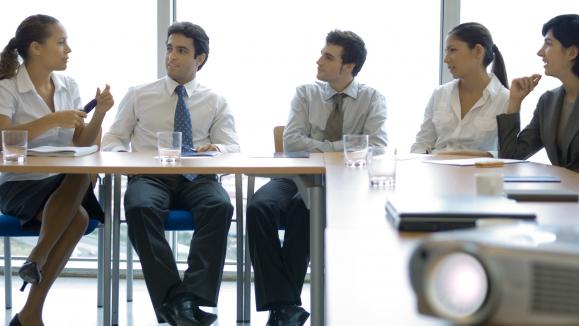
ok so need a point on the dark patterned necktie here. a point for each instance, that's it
(335, 121)
(182, 120)
(182, 123)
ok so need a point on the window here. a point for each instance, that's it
(260, 51)
(109, 45)
(518, 37)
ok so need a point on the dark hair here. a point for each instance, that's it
(565, 29)
(475, 33)
(195, 32)
(32, 29)
(353, 48)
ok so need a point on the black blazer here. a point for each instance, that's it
(542, 132)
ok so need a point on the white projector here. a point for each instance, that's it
(520, 274)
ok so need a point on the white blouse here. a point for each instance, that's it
(443, 129)
(20, 102)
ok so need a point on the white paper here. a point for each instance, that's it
(473, 161)
(62, 150)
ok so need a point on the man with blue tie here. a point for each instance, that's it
(178, 102)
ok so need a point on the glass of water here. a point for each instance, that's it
(169, 146)
(14, 146)
(382, 167)
(355, 150)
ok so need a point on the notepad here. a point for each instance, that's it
(474, 161)
(62, 150)
(198, 154)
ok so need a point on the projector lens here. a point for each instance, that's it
(457, 285)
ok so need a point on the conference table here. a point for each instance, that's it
(367, 274)
(307, 172)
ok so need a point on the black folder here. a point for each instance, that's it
(437, 213)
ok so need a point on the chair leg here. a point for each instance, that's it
(100, 268)
(7, 273)
(129, 271)
(247, 284)
(239, 232)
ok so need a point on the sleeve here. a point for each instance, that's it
(7, 102)
(515, 144)
(118, 138)
(296, 135)
(426, 137)
(223, 134)
(76, 100)
(375, 126)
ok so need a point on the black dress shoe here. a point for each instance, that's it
(15, 321)
(204, 317)
(290, 315)
(180, 311)
(29, 273)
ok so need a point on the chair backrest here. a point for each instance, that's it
(278, 138)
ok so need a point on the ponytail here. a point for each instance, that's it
(499, 68)
(9, 60)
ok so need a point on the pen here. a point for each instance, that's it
(489, 164)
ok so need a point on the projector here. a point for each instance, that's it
(518, 274)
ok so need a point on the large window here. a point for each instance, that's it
(110, 44)
(516, 30)
(260, 51)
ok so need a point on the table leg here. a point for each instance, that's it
(116, 248)
(317, 236)
(107, 251)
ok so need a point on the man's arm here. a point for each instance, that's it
(375, 126)
(118, 138)
(296, 136)
(222, 134)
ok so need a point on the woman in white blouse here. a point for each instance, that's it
(48, 106)
(461, 115)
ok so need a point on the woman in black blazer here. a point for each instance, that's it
(555, 123)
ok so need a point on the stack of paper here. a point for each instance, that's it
(62, 150)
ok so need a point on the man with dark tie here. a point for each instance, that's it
(320, 114)
(178, 102)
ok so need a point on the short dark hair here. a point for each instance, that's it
(194, 32)
(565, 28)
(475, 33)
(353, 48)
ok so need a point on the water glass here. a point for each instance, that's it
(14, 146)
(355, 150)
(489, 184)
(382, 167)
(169, 146)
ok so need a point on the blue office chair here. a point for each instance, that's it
(180, 220)
(10, 228)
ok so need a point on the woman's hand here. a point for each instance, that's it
(104, 99)
(68, 118)
(520, 88)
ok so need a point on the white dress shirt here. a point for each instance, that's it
(150, 108)
(20, 102)
(364, 113)
(443, 129)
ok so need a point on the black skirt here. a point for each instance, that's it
(25, 199)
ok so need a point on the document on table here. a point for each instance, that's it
(478, 161)
(62, 150)
(199, 154)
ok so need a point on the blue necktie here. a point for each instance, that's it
(182, 123)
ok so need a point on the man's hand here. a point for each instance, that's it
(207, 147)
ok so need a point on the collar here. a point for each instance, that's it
(24, 83)
(170, 85)
(351, 90)
(494, 86)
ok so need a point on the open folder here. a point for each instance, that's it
(435, 213)
(62, 150)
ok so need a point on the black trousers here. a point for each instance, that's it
(279, 268)
(148, 199)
